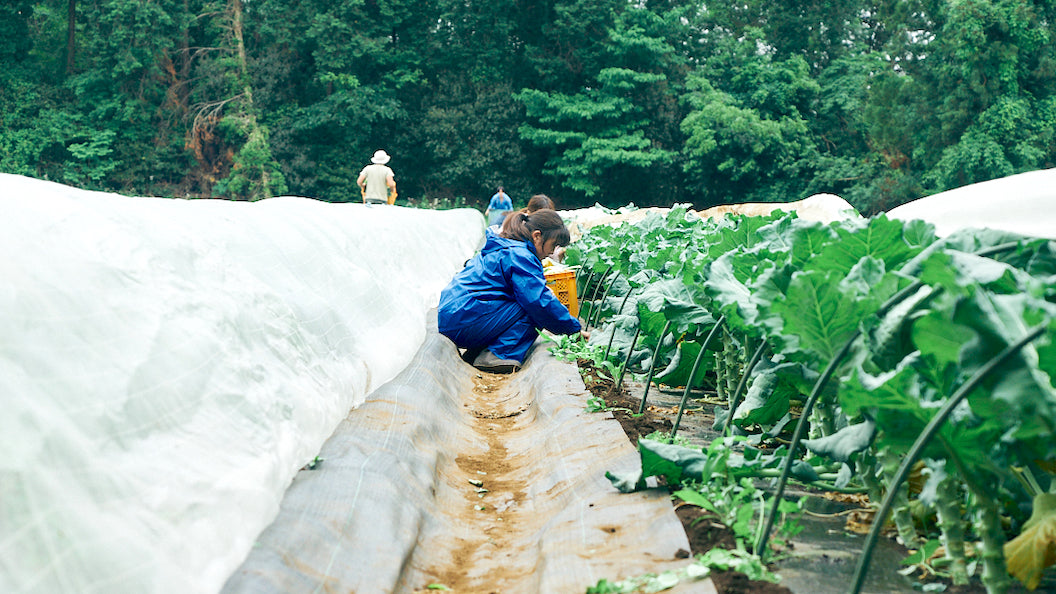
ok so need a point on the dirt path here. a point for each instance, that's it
(504, 532)
(476, 482)
(486, 497)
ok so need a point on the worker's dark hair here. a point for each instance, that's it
(520, 225)
(539, 202)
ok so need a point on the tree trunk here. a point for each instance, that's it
(240, 48)
(71, 34)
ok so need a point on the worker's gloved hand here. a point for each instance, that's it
(584, 334)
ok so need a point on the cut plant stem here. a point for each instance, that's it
(652, 366)
(627, 360)
(693, 373)
(736, 396)
(988, 525)
(889, 462)
(613, 335)
(948, 509)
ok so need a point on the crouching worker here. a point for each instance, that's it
(494, 306)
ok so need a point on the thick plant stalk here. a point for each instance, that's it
(823, 419)
(948, 508)
(730, 362)
(735, 397)
(742, 353)
(889, 461)
(720, 377)
(988, 525)
(930, 430)
(797, 437)
(613, 335)
(867, 467)
(597, 316)
(652, 366)
(693, 372)
(627, 359)
(594, 294)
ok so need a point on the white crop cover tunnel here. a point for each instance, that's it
(166, 367)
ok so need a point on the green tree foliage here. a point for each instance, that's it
(847, 163)
(973, 80)
(343, 81)
(235, 118)
(994, 123)
(15, 42)
(31, 117)
(747, 136)
(596, 135)
(651, 102)
(117, 86)
(603, 140)
(471, 143)
(465, 141)
(570, 48)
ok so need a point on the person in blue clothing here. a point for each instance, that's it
(537, 202)
(494, 307)
(500, 206)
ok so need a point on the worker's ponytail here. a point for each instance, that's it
(520, 225)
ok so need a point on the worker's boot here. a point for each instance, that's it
(487, 361)
(470, 355)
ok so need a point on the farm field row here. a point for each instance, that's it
(850, 356)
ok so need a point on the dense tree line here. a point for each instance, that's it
(650, 101)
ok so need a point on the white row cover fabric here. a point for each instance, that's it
(1024, 203)
(824, 208)
(167, 366)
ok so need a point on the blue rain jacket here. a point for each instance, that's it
(500, 299)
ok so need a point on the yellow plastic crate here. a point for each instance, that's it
(563, 284)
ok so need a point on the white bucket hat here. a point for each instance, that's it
(380, 157)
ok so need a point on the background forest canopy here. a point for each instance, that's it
(610, 101)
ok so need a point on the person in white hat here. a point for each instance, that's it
(376, 180)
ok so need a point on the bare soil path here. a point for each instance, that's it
(486, 497)
(478, 483)
(520, 498)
